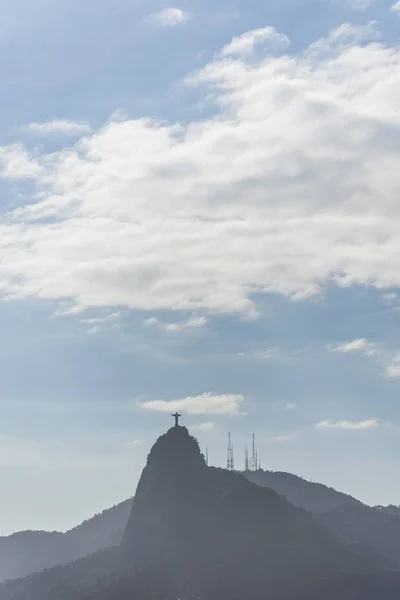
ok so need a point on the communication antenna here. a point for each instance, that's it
(207, 457)
(254, 455)
(230, 463)
(246, 459)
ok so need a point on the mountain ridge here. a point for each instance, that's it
(26, 552)
(198, 531)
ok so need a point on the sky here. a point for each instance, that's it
(199, 211)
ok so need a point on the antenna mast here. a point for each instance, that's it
(246, 459)
(230, 463)
(207, 457)
(254, 460)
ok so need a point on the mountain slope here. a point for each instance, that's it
(197, 531)
(314, 497)
(222, 535)
(377, 531)
(30, 551)
(356, 522)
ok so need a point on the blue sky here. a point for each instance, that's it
(199, 212)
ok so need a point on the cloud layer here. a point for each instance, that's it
(360, 345)
(205, 404)
(169, 17)
(388, 359)
(291, 182)
(348, 425)
(245, 44)
(58, 127)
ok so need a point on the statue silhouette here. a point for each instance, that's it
(176, 416)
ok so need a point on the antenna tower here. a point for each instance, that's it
(246, 459)
(254, 459)
(230, 463)
(207, 457)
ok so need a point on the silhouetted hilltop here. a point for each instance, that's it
(199, 532)
(378, 536)
(222, 535)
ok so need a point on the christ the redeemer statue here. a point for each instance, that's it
(176, 415)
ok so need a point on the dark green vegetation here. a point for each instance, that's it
(200, 532)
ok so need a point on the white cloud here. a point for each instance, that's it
(290, 184)
(211, 404)
(289, 405)
(267, 354)
(393, 368)
(97, 324)
(111, 317)
(169, 17)
(344, 37)
(16, 163)
(396, 6)
(203, 427)
(193, 322)
(58, 127)
(348, 425)
(245, 44)
(388, 360)
(93, 330)
(393, 371)
(359, 345)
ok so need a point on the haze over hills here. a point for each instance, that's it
(197, 531)
(314, 497)
(27, 552)
(376, 529)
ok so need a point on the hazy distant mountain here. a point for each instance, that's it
(314, 497)
(31, 551)
(377, 530)
(199, 532)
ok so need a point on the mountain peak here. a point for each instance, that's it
(168, 485)
(215, 531)
(175, 451)
(199, 532)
